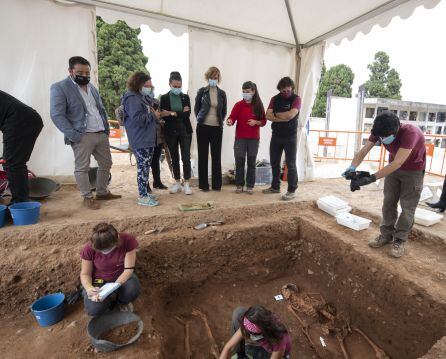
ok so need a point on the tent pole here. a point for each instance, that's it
(296, 40)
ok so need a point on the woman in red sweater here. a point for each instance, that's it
(249, 114)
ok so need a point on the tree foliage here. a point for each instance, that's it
(119, 54)
(384, 82)
(339, 79)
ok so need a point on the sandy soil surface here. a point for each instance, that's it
(264, 243)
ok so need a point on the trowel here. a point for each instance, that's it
(207, 224)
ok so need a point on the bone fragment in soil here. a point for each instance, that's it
(380, 354)
(187, 350)
(214, 347)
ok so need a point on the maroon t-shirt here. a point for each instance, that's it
(408, 137)
(109, 266)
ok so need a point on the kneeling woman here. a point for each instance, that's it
(258, 334)
(109, 257)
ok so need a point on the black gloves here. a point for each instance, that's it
(359, 178)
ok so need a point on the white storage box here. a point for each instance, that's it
(427, 218)
(354, 222)
(333, 205)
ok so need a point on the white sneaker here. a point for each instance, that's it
(187, 189)
(176, 188)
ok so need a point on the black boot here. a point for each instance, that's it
(441, 204)
(159, 185)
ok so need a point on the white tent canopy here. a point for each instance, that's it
(258, 40)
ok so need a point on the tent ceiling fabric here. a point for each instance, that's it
(314, 19)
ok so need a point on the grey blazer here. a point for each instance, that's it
(69, 111)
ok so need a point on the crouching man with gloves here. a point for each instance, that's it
(403, 177)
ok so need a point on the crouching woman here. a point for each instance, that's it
(257, 333)
(109, 257)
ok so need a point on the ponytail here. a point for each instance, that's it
(257, 105)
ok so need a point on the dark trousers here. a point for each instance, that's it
(404, 187)
(156, 170)
(276, 147)
(183, 141)
(245, 151)
(125, 294)
(209, 136)
(20, 133)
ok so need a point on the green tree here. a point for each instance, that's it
(339, 79)
(384, 82)
(119, 54)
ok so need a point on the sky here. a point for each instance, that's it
(166, 53)
(417, 50)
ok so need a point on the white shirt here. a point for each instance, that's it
(94, 118)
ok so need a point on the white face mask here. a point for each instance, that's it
(107, 251)
(255, 337)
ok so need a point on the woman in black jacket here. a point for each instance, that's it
(210, 111)
(175, 111)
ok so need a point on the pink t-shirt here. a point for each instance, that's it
(408, 137)
(284, 345)
(109, 266)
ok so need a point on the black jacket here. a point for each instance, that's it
(203, 104)
(174, 125)
(15, 114)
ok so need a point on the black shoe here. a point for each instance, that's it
(204, 189)
(149, 190)
(440, 205)
(216, 189)
(159, 185)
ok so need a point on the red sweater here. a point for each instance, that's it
(241, 113)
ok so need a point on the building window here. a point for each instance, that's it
(381, 110)
(444, 130)
(438, 130)
(422, 116)
(443, 143)
(413, 116)
(441, 117)
(369, 112)
(367, 127)
(430, 130)
(422, 128)
(432, 117)
(403, 115)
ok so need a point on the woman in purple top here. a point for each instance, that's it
(109, 257)
(257, 332)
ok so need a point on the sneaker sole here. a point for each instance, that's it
(148, 205)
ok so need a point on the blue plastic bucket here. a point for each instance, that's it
(2, 215)
(25, 213)
(49, 309)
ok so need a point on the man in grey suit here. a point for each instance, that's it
(77, 111)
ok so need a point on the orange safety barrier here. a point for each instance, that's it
(340, 144)
(115, 133)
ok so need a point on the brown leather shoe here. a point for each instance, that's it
(107, 197)
(91, 203)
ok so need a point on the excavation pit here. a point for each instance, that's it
(243, 262)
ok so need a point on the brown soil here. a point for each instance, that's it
(263, 244)
(401, 304)
(120, 334)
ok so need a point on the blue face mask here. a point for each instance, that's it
(175, 90)
(146, 91)
(247, 96)
(213, 83)
(387, 140)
